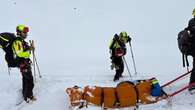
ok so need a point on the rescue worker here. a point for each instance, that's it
(117, 51)
(191, 29)
(21, 50)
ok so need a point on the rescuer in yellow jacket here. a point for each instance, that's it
(21, 50)
(117, 51)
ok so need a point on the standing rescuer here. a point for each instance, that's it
(21, 50)
(117, 51)
(191, 29)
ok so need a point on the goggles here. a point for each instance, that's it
(25, 30)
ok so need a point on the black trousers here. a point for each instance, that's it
(192, 77)
(27, 81)
(119, 67)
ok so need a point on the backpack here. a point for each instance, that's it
(184, 45)
(6, 40)
(184, 42)
(120, 51)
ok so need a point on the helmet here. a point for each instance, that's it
(123, 37)
(22, 28)
(193, 12)
(123, 34)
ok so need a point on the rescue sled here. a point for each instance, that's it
(125, 94)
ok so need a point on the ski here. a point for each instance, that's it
(19, 103)
(23, 104)
(19, 97)
(22, 100)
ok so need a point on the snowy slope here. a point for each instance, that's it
(72, 38)
(50, 91)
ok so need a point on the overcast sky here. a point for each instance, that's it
(73, 35)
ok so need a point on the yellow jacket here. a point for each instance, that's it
(20, 49)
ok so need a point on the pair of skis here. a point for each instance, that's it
(20, 100)
(21, 103)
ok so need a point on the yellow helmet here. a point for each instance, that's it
(123, 34)
(22, 28)
(123, 37)
(193, 12)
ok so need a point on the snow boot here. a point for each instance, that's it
(116, 78)
(33, 98)
(30, 99)
(192, 90)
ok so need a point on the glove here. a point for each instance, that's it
(110, 51)
(116, 36)
(112, 66)
(31, 47)
(129, 39)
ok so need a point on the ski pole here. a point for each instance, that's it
(133, 58)
(127, 66)
(35, 60)
(34, 68)
(9, 70)
(37, 66)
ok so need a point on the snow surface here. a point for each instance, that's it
(72, 38)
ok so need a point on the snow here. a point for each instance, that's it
(72, 38)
